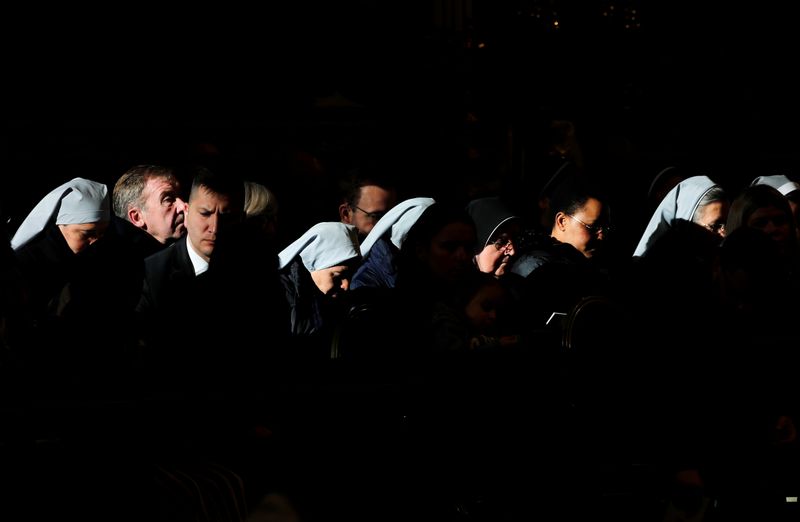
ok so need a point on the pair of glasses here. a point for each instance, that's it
(593, 229)
(371, 215)
(502, 243)
(716, 227)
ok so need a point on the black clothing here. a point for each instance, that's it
(555, 276)
(220, 331)
(80, 312)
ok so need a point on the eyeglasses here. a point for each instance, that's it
(593, 229)
(371, 215)
(716, 227)
(502, 243)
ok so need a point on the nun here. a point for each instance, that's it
(380, 248)
(315, 272)
(56, 236)
(68, 279)
(497, 227)
(697, 199)
(78, 210)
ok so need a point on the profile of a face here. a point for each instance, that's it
(333, 280)
(80, 236)
(495, 256)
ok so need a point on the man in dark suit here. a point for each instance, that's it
(206, 296)
(177, 339)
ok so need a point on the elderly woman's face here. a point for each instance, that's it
(495, 256)
(80, 236)
(713, 216)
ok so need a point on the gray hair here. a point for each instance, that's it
(129, 187)
(712, 195)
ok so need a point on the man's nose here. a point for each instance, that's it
(213, 223)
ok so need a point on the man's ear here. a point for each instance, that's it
(135, 216)
(560, 222)
(345, 213)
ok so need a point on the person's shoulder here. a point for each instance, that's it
(383, 248)
(175, 253)
(136, 240)
(47, 247)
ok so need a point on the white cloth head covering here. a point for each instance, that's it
(324, 245)
(75, 202)
(779, 181)
(680, 203)
(397, 222)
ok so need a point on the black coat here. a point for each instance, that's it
(80, 312)
(219, 331)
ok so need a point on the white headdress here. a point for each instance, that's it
(779, 181)
(324, 245)
(75, 202)
(679, 203)
(397, 222)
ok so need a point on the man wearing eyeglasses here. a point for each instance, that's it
(365, 200)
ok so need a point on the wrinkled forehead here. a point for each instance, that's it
(160, 185)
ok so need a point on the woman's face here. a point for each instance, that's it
(773, 222)
(449, 256)
(80, 236)
(586, 229)
(333, 280)
(713, 216)
(495, 256)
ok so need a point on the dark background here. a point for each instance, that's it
(91, 92)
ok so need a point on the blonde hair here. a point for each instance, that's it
(259, 201)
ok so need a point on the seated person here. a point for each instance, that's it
(72, 284)
(379, 250)
(148, 208)
(561, 268)
(497, 230)
(790, 190)
(315, 271)
(365, 199)
(697, 199)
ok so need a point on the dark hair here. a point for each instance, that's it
(753, 198)
(227, 185)
(570, 196)
(360, 177)
(432, 220)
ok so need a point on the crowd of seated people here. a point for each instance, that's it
(410, 339)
